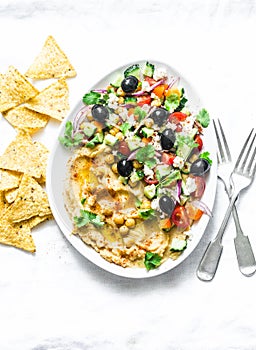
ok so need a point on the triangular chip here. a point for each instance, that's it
(52, 101)
(16, 235)
(14, 89)
(31, 200)
(11, 195)
(26, 119)
(25, 156)
(51, 63)
(3, 202)
(36, 220)
(9, 179)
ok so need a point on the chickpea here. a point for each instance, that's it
(156, 103)
(146, 204)
(130, 223)
(133, 184)
(124, 230)
(149, 122)
(110, 159)
(120, 92)
(114, 168)
(118, 219)
(89, 117)
(113, 131)
(121, 100)
(108, 211)
(136, 164)
(120, 136)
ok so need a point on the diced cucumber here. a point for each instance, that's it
(150, 191)
(89, 129)
(117, 81)
(136, 176)
(148, 69)
(134, 142)
(147, 132)
(186, 168)
(133, 70)
(129, 99)
(110, 140)
(178, 245)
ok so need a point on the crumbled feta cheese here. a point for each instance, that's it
(187, 125)
(123, 113)
(131, 120)
(171, 126)
(145, 108)
(113, 98)
(148, 172)
(156, 142)
(190, 186)
(145, 86)
(155, 204)
(159, 73)
(178, 162)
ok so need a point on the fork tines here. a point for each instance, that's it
(246, 161)
(223, 153)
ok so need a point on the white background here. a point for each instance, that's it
(57, 299)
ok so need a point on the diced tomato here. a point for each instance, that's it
(143, 100)
(146, 139)
(165, 224)
(178, 116)
(123, 148)
(153, 181)
(180, 217)
(193, 212)
(168, 158)
(151, 81)
(200, 187)
(199, 141)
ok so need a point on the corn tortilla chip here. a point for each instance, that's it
(9, 179)
(26, 119)
(31, 200)
(25, 156)
(52, 101)
(14, 89)
(36, 220)
(51, 63)
(11, 195)
(16, 235)
(3, 202)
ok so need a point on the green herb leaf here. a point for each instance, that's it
(147, 213)
(152, 260)
(173, 176)
(203, 117)
(67, 140)
(205, 155)
(91, 98)
(125, 127)
(145, 153)
(151, 163)
(86, 218)
(182, 140)
(98, 138)
(83, 200)
(140, 112)
(172, 102)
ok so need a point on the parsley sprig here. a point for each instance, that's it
(71, 139)
(86, 217)
(146, 155)
(152, 260)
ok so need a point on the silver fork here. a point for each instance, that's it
(241, 177)
(245, 256)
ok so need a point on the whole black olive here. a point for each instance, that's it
(167, 139)
(200, 167)
(100, 113)
(129, 84)
(124, 167)
(159, 115)
(166, 204)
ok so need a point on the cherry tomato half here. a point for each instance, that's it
(167, 158)
(180, 217)
(143, 100)
(151, 81)
(151, 181)
(199, 141)
(178, 116)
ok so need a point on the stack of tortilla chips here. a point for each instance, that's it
(23, 200)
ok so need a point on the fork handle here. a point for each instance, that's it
(210, 260)
(245, 257)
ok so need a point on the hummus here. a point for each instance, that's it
(93, 186)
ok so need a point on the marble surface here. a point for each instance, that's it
(57, 299)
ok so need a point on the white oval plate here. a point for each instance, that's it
(57, 175)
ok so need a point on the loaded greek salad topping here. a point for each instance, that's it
(143, 115)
